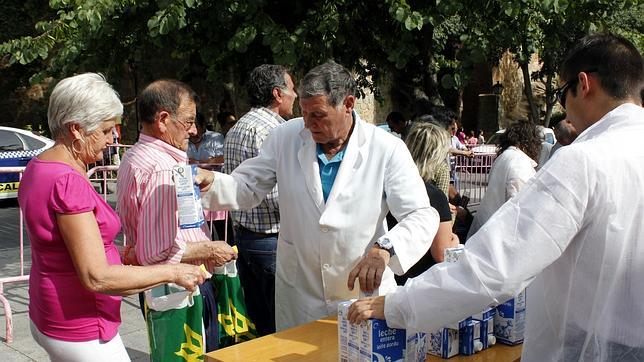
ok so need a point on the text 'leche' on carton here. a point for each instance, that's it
(374, 341)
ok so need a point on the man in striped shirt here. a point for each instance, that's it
(147, 203)
(272, 94)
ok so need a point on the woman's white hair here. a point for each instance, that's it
(429, 147)
(85, 99)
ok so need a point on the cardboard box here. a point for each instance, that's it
(509, 321)
(443, 342)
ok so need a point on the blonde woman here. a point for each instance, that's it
(429, 145)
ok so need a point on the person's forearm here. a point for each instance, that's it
(197, 251)
(126, 279)
(444, 239)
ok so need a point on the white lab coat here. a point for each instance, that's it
(576, 231)
(320, 243)
(510, 171)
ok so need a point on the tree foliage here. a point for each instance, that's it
(427, 48)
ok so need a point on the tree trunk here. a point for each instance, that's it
(527, 89)
(550, 100)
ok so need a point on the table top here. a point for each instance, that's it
(318, 341)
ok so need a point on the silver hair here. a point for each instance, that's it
(429, 146)
(85, 99)
(329, 79)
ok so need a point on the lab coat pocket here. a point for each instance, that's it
(287, 261)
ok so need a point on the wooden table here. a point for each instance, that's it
(318, 341)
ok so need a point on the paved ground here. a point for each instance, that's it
(23, 347)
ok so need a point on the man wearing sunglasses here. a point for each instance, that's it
(574, 235)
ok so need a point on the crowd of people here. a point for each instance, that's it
(355, 204)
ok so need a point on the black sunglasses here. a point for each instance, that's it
(561, 91)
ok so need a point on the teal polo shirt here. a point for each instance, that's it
(328, 169)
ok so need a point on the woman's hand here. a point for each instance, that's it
(367, 308)
(189, 276)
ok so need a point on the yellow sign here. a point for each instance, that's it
(9, 186)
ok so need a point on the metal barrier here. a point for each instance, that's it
(472, 175)
(16, 279)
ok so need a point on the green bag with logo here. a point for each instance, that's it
(234, 324)
(175, 324)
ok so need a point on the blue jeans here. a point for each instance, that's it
(256, 267)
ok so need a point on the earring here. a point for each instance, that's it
(77, 152)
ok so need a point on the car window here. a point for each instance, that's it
(33, 143)
(10, 142)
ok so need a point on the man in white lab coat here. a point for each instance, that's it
(338, 177)
(575, 232)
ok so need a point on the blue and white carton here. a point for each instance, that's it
(188, 197)
(486, 320)
(443, 342)
(469, 333)
(509, 321)
(416, 347)
(374, 341)
(343, 330)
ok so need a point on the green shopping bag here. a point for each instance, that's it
(175, 324)
(234, 324)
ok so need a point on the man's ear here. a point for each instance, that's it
(161, 121)
(587, 83)
(277, 95)
(349, 103)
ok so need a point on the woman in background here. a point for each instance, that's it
(519, 147)
(76, 277)
(429, 145)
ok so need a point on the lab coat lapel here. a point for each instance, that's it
(354, 155)
(307, 157)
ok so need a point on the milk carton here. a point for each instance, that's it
(486, 320)
(509, 321)
(188, 197)
(469, 333)
(381, 343)
(416, 347)
(452, 255)
(443, 342)
(343, 330)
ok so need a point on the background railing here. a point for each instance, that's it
(472, 175)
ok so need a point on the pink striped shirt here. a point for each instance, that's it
(147, 203)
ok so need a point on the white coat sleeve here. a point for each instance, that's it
(522, 238)
(248, 184)
(408, 202)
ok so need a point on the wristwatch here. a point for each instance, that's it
(386, 244)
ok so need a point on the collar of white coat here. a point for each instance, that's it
(355, 154)
(610, 118)
(532, 162)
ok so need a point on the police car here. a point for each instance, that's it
(17, 147)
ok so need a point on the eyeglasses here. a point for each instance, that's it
(561, 91)
(188, 125)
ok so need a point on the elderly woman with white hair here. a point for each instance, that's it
(76, 277)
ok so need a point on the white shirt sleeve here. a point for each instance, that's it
(523, 237)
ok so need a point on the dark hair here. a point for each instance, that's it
(444, 116)
(263, 79)
(329, 79)
(163, 95)
(522, 135)
(222, 116)
(556, 118)
(200, 120)
(395, 117)
(426, 118)
(616, 61)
